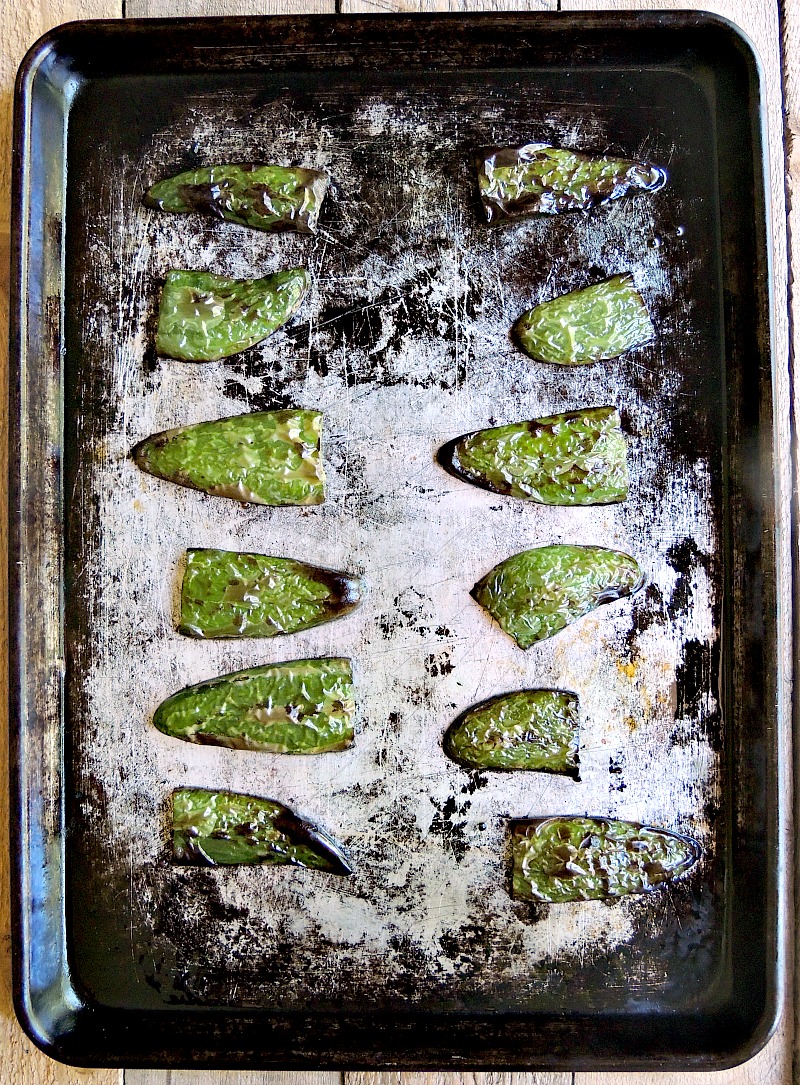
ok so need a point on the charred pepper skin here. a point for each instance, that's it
(230, 594)
(301, 707)
(262, 458)
(538, 179)
(536, 593)
(576, 458)
(559, 860)
(264, 197)
(204, 317)
(595, 324)
(221, 828)
(533, 729)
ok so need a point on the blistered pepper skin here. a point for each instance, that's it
(221, 828)
(264, 197)
(301, 707)
(576, 458)
(538, 179)
(535, 594)
(561, 860)
(230, 594)
(263, 458)
(533, 729)
(595, 324)
(204, 317)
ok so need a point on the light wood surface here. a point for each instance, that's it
(20, 25)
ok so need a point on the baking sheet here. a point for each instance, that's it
(403, 343)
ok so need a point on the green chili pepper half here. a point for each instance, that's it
(533, 729)
(265, 197)
(228, 594)
(536, 593)
(538, 179)
(203, 317)
(578, 458)
(590, 325)
(266, 457)
(304, 707)
(562, 859)
(220, 828)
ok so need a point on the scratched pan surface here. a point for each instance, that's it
(421, 958)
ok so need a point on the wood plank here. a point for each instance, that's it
(402, 1078)
(231, 1077)
(21, 1063)
(352, 7)
(163, 9)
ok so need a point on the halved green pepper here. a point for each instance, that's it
(562, 859)
(577, 458)
(265, 197)
(266, 457)
(538, 179)
(204, 317)
(305, 706)
(533, 729)
(589, 325)
(221, 828)
(229, 594)
(536, 593)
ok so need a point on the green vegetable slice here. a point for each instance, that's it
(203, 317)
(561, 859)
(230, 594)
(266, 457)
(590, 325)
(220, 828)
(265, 197)
(303, 707)
(536, 593)
(533, 729)
(577, 458)
(538, 179)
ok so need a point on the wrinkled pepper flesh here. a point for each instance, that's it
(203, 317)
(220, 828)
(538, 179)
(562, 859)
(229, 594)
(533, 729)
(536, 593)
(577, 458)
(304, 707)
(265, 457)
(590, 325)
(265, 197)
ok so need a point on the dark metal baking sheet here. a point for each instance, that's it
(421, 959)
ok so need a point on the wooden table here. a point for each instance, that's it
(774, 27)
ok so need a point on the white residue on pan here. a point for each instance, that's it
(407, 347)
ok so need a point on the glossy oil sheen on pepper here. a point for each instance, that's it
(264, 458)
(222, 828)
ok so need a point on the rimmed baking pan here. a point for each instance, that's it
(421, 958)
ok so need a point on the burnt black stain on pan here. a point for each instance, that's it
(696, 685)
(685, 557)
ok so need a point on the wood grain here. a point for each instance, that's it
(355, 6)
(230, 1077)
(400, 1078)
(162, 9)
